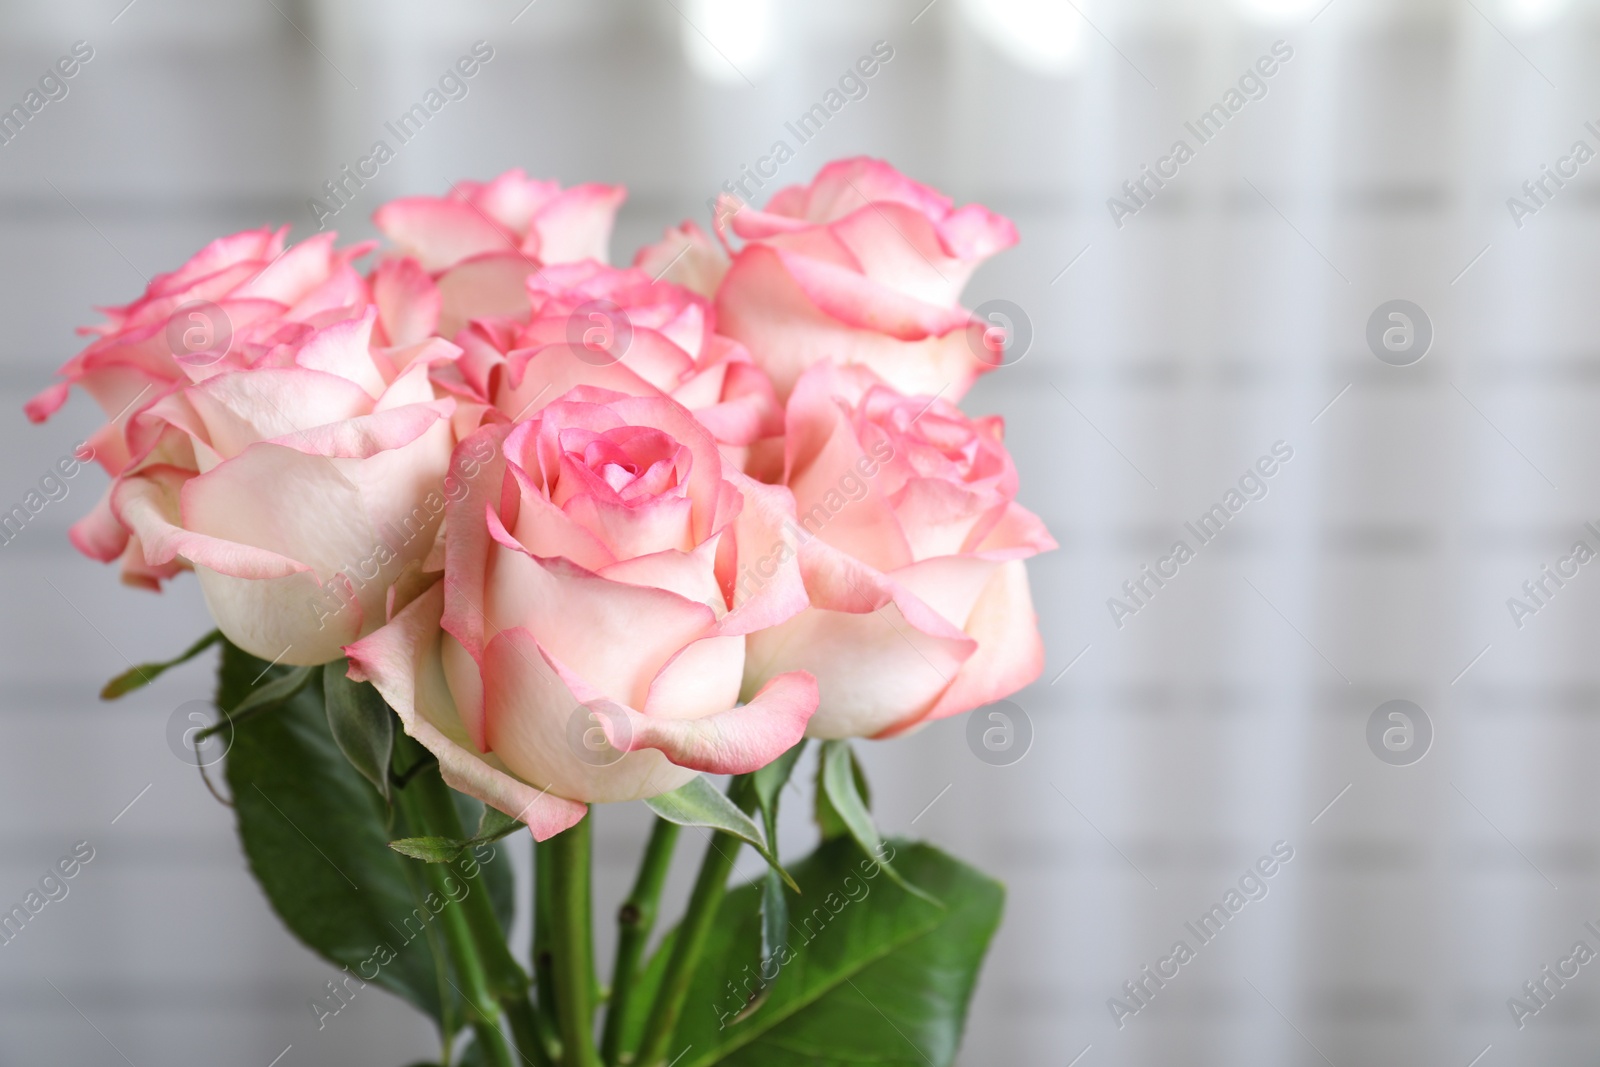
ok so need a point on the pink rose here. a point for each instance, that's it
(686, 256)
(478, 243)
(225, 310)
(864, 266)
(590, 324)
(537, 219)
(305, 491)
(911, 544)
(590, 585)
(237, 297)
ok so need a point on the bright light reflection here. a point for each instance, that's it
(1042, 36)
(728, 41)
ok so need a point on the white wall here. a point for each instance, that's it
(1220, 319)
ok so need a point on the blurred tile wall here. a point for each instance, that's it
(1173, 346)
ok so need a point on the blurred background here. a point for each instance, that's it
(1174, 341)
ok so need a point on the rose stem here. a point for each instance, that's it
(709, 888)
(573, 962)
(544, 975)
(528, 1028)
(507, 981)
(424, 812)
(635, 919)
(437, 805)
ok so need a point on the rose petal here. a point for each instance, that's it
(879, 653)
(98, 534)
(139, 574)
(371, 436)
(440, 233)
(240, 408)
(536, 724)
(537, 377)
(48, 402)
(616, 636)
(1019, 534)
(575, 224)
(319, 521)
(1010, 652)
(345, 349)
(479, 465)
(941, 517)
(737, 741)
(402, 660)
(864, 302)
(702, 678)
(692, 575)
(685, 256)
(488, 284)
(762, 305)
(826, 467)
(148, 505)
(266, 603)
(767, 587)
(408, 301)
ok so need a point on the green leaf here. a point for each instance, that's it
(145, 673)
(774, 919)
(828, 819)
(766, 785)
(361, 723)
(876, 975)
(282, 684)
(317, 839)
(493, 824)
(430, 849)
(838, 780)
(700, 804)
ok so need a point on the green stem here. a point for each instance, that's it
(441, 970)
(543, 954)
(480, 1000)
(709, 888)
(635, 919)
(528, 1030)
(572, 946)
(434, 801)
(458, 933)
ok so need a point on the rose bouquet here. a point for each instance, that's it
(496, 531)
